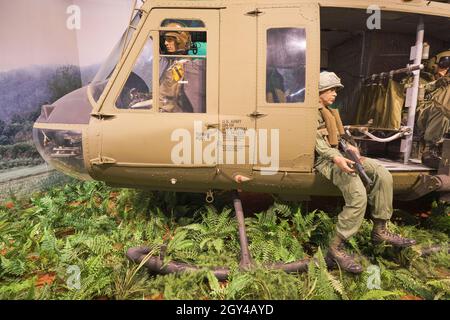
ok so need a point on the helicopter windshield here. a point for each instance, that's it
(101, 78)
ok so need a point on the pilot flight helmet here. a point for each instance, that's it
(182, 38)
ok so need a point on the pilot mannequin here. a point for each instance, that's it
(173, 69)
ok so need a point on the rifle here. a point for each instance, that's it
(350, 154)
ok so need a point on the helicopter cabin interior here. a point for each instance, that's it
(365, 60)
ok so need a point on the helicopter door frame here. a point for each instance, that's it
(145, 138)
(296, 122)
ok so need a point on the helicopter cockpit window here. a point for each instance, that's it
(100, 80)
(186, 23)
(182, 65)
(286, 65)
(137, 92)
(63, 149)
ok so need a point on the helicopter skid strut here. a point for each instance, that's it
(157, 265)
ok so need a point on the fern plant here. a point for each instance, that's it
(321, 284)
(90, 225)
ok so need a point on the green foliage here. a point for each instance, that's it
(274, 238)
(16, 146)
(90, 226)
(18, 290)
(439, 219)
(379, 294)
(18, 154)
(320, 283)
(305, 225)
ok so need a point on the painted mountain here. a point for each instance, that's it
(24, 90)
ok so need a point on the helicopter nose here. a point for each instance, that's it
(63, 150)
(58, 133)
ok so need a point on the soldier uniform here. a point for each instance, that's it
(172, 97)
(170, 88)
(330, 130)
(433, 119)
(352, 188)
(434, 111)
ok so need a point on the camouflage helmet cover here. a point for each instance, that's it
(329, 80)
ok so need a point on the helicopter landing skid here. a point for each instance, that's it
(157, 265)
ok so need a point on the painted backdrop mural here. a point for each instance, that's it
(47, 49)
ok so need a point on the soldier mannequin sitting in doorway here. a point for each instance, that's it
(336, 168)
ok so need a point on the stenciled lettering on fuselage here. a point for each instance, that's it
(232, 144)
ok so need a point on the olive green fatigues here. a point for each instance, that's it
(352, 188)
(434, 112)
(170, 87)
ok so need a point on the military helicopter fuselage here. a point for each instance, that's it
(234, 108)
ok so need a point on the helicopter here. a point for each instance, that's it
(229, 128)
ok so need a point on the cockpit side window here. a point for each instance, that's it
(137, 92)
(104, 73)
(285, 65)
(185, 22)
(182, 66)
(182, 71)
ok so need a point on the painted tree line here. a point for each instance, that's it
(25, 92)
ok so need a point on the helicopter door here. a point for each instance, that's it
(163, 101)
(287, 95)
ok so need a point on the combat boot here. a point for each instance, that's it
(381, 234)
(337, 254)
(431, 157)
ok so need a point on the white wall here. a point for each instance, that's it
(34, 32)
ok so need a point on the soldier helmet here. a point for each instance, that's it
(441, 60)
(329, 80)
(182, 38)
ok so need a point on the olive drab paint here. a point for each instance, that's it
(134, 147)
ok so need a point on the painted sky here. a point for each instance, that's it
(35, 32)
